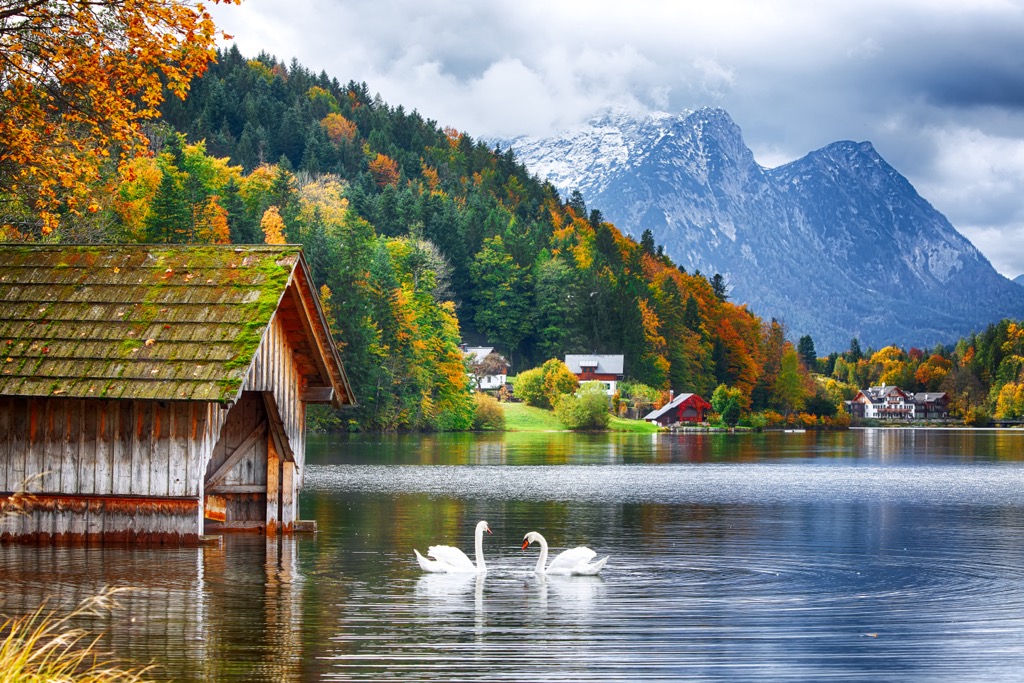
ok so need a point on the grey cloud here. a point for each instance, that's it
(794, 75)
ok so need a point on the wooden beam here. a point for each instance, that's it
(273, 487)
(318, 395)
(289, 505)
(284, 446)
(237, 488)
(222, 472)
(238, 525)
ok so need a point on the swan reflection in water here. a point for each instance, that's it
(445, 596)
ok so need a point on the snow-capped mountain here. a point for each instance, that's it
(837, 244)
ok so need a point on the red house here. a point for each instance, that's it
(683, 408)
(607, 369)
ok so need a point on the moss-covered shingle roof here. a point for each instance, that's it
(136, 321)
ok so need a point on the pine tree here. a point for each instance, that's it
(805, 349)
(169, 215)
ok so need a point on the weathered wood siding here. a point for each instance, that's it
(242, 446)
(105, 447)
(274, 370)
(92, 467)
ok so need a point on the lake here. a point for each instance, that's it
(868, 555)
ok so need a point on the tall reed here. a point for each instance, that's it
(45, 646)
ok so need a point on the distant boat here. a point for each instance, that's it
(794, 431)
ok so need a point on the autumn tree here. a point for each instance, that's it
(384, 170)
(338, 128)
(77, 80)
(273, 226)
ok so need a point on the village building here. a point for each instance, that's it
(157, 393)
(888, 402)
(475, 356)
(683, 408)
(607, 369)
(931, 406)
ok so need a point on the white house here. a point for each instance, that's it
(885, 403)
(475, 355)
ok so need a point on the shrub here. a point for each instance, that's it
(731, 412)
(558, 380)
(976, 417)
(641, 397)
(489, 414)
(586, 410)
(541, 387)
(529, 387)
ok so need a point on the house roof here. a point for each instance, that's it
(596, 363)
(159, 322)
(478, 352)
(668, 407)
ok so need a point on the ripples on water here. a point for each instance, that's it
(725, 572)
(850, 560)
(708, 483)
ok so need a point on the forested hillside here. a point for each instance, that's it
(421, 237)
(400, 216)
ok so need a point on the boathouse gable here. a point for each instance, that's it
(157, 392)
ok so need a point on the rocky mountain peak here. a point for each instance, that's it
(837, 244)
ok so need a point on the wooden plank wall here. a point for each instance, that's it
(45, 518)
(103, 447)
(95, 469)
(275, 371)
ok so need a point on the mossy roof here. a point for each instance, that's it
(179, 322)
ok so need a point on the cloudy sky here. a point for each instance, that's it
(936, 85)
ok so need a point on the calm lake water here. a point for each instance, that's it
(869, 555)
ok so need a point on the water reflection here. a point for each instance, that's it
(200, 614)
(882, 555)
(880, 446)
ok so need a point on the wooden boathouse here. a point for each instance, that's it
(157, 393)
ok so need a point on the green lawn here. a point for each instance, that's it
(520, 417)
(621, 424)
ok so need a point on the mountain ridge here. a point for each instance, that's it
(837, 244)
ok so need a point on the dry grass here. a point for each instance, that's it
(46, 647)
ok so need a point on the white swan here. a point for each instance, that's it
(452, 560)
(572, 562)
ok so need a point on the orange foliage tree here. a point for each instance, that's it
(338, 128)
(76, 81)
(384, 170)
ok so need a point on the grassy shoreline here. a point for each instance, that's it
(520, 417)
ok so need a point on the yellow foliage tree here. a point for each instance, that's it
(76, 81)
(323, 200)
(1010, 402)
(273, 226)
